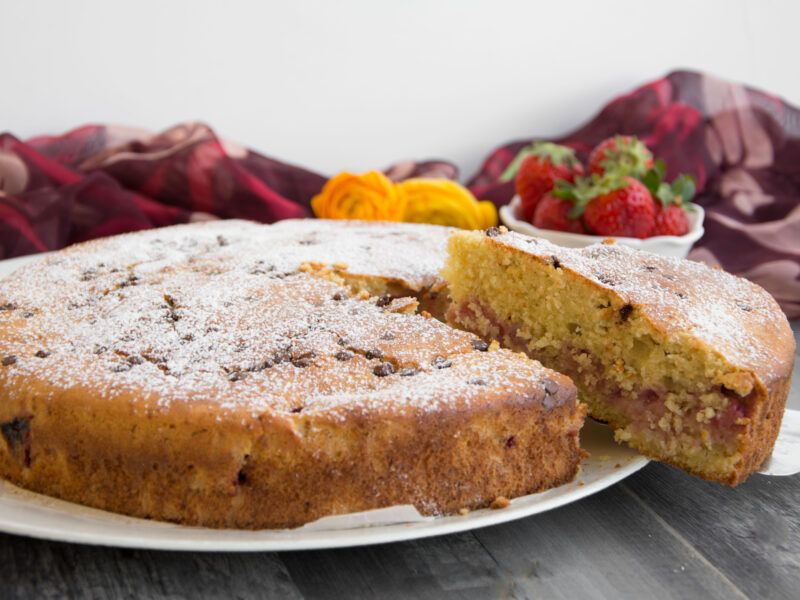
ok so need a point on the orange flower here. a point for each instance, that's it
(370, 197)
(444, 202)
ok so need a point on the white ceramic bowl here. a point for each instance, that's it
(666, 245)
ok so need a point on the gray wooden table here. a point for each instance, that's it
(658, 534)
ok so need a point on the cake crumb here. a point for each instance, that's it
(500, 502)
(463, 511)
(342, 266)
(617, 466)
(363, 295)
(580, 484)
(494, 346)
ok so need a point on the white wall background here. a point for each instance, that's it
(358, 84)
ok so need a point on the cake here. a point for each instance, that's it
(230, 374)
(688, 364)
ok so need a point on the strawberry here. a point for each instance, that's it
(623, 154)
(671, 220)
(611, 205)
(553, 213)
(671, 217)
(537, 167)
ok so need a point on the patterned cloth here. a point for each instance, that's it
(741, 144)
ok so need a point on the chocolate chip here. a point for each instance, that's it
(100, 349)
(343, 356)
(28, 314)
(135, 360)
(743, 306)
(302, 363)
(343, 341)
(9, 360)
(479, 345)
(8, 306)
(681, 295)
(669, 277)
(550, 386)
(131, 280)
(18, 436)
(408, 372)
(555, 262)
(383, 369)
(493, 232)
(188, 337)
(384, 300)
(297, 409)
(440, 362)
(237, 376)
(374, 353)
(510, 443)
(222, 241)
(88, 274)
(476, 382)
(173, 316)
(650, 268)
(338, 296)
(387, 335)
(281, 356)
(42, 354)
(120, 368)
(625, 312)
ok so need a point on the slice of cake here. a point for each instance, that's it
(688, 364)
(194, 374)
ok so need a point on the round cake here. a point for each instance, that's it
(217, 374)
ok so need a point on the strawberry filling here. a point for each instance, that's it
(650, 409)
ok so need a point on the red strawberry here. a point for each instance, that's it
(671, 220)
(620, 207)
(553, 213)
(673, 200)
(537, 167)
(623, 154)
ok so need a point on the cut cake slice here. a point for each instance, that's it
(688, 364)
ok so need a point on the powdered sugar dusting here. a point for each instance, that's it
(410, 253)
(218, 313)
(732, 315)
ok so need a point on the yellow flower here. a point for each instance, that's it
(444, 202)
(370, 197)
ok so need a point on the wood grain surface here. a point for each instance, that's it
(658, 534)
